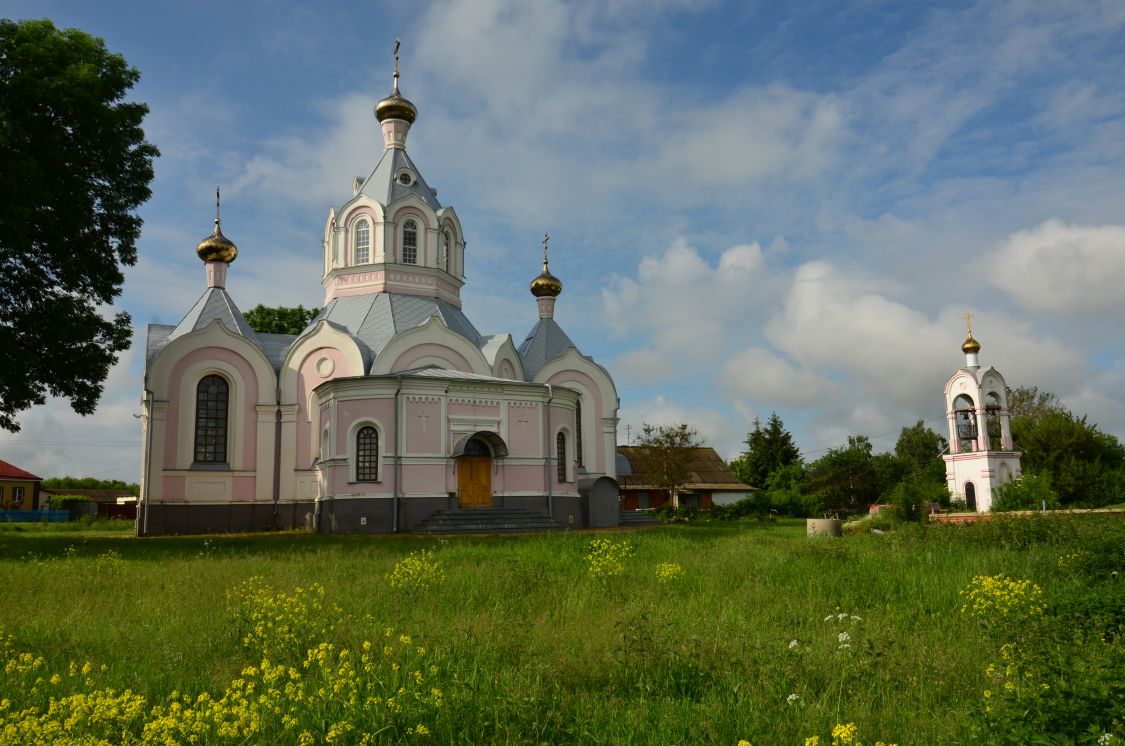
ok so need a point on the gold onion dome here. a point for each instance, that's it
(217, 247)
(546, 285)
(971, 346)
(395, 106)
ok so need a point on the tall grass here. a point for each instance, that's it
(765, 635)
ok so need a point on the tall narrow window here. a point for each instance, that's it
(446, 247)
(211, 396)
(578, 433)
(560, 452)
(362, 242)
(367, 454)
(410, 242)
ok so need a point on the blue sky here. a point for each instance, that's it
(754, 206)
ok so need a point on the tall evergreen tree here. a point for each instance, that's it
(768, 449)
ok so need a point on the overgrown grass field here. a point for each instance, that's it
(713, 633)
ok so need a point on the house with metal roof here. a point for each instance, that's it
(390, 408)
(709, 481)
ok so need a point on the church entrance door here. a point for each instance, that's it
(474, 481)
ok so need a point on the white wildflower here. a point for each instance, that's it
(841, 616)
(844, 637)
(830, 617)
(856, 618)
(793, 644)
(793, 698)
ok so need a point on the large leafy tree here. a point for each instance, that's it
(664, 455)
(845, 478)
(280, 319)
(74, 167)
(768, 449)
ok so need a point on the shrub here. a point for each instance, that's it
(1029, 492)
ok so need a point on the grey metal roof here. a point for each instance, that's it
(384, 188)
(374, 319)
(213, 305)
(275, 346)
(546, 342)
(156, 339)
(433, 371)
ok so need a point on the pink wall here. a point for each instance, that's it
(468, 408)
(248, 382)
(525, 431)
(382, 410)
(174, 488)
(422, 424)
(308, 379)
(591, 436)
(405, 361)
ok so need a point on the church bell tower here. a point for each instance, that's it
(981, 454)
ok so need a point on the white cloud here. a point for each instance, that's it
(1060, 267)
(715, 428)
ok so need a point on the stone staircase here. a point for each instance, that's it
(637, 519)
(488, 521)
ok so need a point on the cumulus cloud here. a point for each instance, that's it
(716, 429)
(1057, 266)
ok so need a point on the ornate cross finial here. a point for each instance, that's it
(218, 219)
(968, 317)
(546, 240)
(396, 63)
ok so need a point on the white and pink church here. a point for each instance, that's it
(981, 453)
(390, 406)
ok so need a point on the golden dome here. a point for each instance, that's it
(395, 107)
(971, 346)
(217, 247)
(546, 285)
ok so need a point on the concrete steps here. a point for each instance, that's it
(488, 521)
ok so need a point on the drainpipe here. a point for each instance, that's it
(277, 458)
(398, 454)
(547, 466)
(146, 487)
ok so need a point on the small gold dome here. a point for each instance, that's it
(546, 285)
(971, 346)
(217, 247)
(395, 107)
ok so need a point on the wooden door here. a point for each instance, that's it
(474, 481)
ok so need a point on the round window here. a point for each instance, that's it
(404, 179)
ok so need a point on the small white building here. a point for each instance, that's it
(981, 455)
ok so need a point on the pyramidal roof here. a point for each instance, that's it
(544, 343)
(373, 319)
(213, 305)
(385, 187)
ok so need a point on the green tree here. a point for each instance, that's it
(74, 167)
(280, 319)
(768, 449)
(845, 478)
(89, 483)
(921, 448)
(664, 455)
(1029, 403)
(1085, 465)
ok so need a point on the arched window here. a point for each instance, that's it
(410, 242)
(446, 248)
(367, 454)
(211, 397)
(362, 242)
(560, 451)
(578, 433)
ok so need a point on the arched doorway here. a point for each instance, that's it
(474, 475)
(971, 496)
(474, 454)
